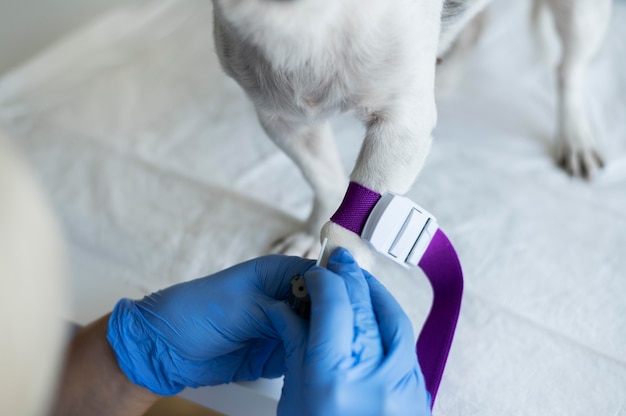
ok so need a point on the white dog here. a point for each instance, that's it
(302, 62)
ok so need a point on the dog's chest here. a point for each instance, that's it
(308, 91)
(303, 93)
(308, 83)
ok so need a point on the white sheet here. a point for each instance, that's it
(160, 173)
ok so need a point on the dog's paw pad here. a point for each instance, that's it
(299, 244)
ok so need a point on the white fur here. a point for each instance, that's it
(302, 62)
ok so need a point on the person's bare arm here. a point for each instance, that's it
(92, 382)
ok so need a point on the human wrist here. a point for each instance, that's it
(92, 381)
(140, 353)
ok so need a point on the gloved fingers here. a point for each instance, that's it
(396, 330)
(260, 358)
(274, 273)
(185, 314)
(342, 263)
(275, 364)
(293, 331)
(367, 349)
(291, 328)
(331, 327)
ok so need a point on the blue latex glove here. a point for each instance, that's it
(356, 355)
(207, 331)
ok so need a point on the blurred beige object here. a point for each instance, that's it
(32, 290)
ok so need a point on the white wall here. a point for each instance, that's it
(27, 26)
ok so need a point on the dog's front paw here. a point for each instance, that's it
(340, 237)
(578, 161)
(300, 244)
(306, 245)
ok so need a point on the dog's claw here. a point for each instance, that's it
(598, 159)
(579, 163)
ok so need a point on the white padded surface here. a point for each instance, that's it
(159, 173)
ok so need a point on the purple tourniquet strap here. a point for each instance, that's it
(441, 265)
(355, 207)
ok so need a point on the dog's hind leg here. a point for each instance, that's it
(313, 149)
(581, 26)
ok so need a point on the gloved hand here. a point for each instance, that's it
(356, 355)
(207, 331)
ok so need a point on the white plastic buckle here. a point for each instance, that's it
(399, 229)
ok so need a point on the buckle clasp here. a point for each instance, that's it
(399, 229)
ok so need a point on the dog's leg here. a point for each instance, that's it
(397, 142)
(313, 149)
(399, 122)
(581, 26)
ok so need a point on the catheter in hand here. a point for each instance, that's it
(299, 297)
(355, 356)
